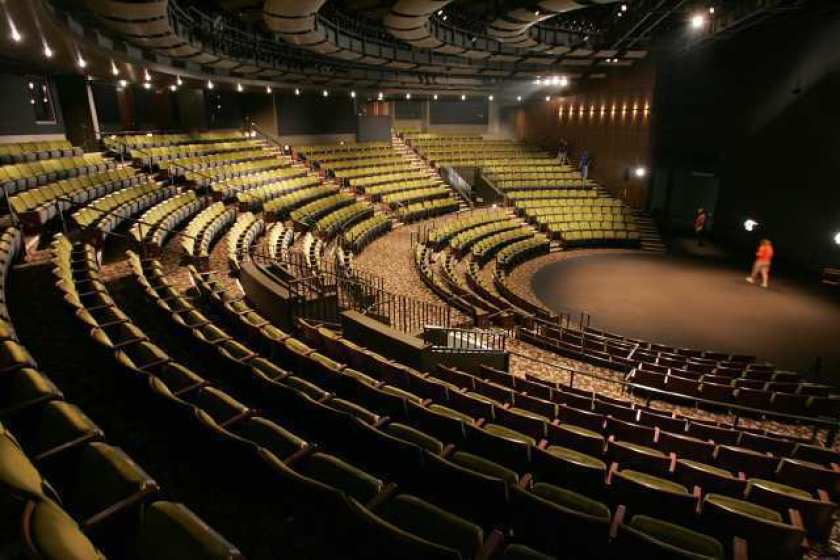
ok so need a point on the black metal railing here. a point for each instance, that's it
(465, 339)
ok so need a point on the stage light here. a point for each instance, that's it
(408, 96)
(13, 31)
(519, 98)
(297, 91)
(81, 61)
(123, 83)
(564, 81)
(750, 224)
(239, 87)
(147, 76)
(178, 81)
(210, 85)
(837, 238)
(48, 52)
(147, 85)
(268, 89)
(640, 171)
(489, 98)
(114, 70)
(698, 21)
(463, 97)
(325, 93)
(434, 97)
(353, 94)
(173, 87)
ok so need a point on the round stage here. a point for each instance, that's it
(697, 303)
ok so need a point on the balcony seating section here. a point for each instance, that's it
(426, 209)
(18, 177)
(357, 237)
(362, 180)
(396, 200)
(377, 192)
(152, 140)
(337, 221)
(516, 253)
(254, 199)
(311, 212)
(241, 237)
(39, 205)
(203, 229)
(485, 249)
(23, 152)
(280, 208)
(160, 156)
(110, 211)
(464, 240)
(278, 240)
(226, 189)
(209, 175)
(160, 221)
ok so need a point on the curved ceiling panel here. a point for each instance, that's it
(513, 28)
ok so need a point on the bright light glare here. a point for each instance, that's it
(698, 21)
(837, 238)
(640, 171)
(750, 224)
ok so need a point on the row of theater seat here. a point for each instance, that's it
(280, 208)
(203, 230)
(19, 152)
(18, 177)
(241, 237)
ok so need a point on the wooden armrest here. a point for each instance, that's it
(823, 496)
(543, 444)
(673, 466)
(796, 518)
(382, 421)
(618, 519)
(448, 449)
(697, 492)
(525, 480)
(389, 490)
(492, 545)
(739, 549)
(149, 488)
(300, 454)
(613, 469)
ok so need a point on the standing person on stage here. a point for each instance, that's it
(585, 162)
(563, 152)
(700, 225)
(763, 258)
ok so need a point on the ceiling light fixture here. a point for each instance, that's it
(114, 70)
(239, 87)
(698, 21)
(82, 63)
(268, 89)
(297, 91)
(353, 94)
(178, 81)
(48, 52)
(210, 85)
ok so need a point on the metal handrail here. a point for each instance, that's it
(831, 424)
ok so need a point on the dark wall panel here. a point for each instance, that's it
(223, 109)
(17, 115)
(313, 114)
(191, 112)
(408, 109)
(374, 129)
(471, 111)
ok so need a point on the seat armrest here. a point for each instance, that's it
(618, 519)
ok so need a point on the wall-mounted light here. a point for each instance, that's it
(297, 91)
(173, 87)
(178, 81)
(14, 34)
(519, 98)
(210, 85)
(837, 238)
(147, 85)
(408, 95)
(463, 97)
(268, 89)
(750, 224)
(239, 87)
(147, 76)
(380, 97)
(48, 52)
(640, 171)
(123, 83)
(489, 98)
(548, 98)
(81, 62)
(698, 21)
(325, 93)
(353, 94)
(434, 97)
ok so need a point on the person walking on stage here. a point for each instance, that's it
(585, 162)
(700, 225)
(763, 258)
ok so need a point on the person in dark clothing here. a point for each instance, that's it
(585, 162)
(700, 225)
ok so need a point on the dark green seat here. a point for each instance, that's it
(561, 465)
(51, 534)
(817, 513)
(25, 387)
(652, 538)
(767, 534)
(484, 466)
(434, 524)
(269, 435)
(575, 437)
(341, 475)
(639, 457)
(415, 436)
(60, 426)
(647, 494)
(170, 531)
(521, 552)
(709, 478)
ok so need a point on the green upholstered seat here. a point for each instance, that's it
(521, 552)
(434, 524)
(507, 433)
(54, 535)
(582, 431)
(17, 473)
(778, 487)
(652, 482)
(401, 393)
(415, 436)
(271, 436)
(343, 476)
(484, 466)
(571, 500)
(745, 508)
(643, 449)
(678, 539)
(576, 457)
(711, 469)
(170, 531)
(446, 411)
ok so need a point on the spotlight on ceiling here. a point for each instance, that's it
(463, 97)
(239, 87)
(408, 95)
(698, 21)
(640, 171)
(114, 70)
(750, 224)
(81, 61)
(353, 94)
(434, 97)
(297, 91)
(325, 93)
(48, 52)
(268, 89)
(837, 238)
(178, 81)
(489, 98)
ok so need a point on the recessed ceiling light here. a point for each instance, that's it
(210, 85)
(48, 52)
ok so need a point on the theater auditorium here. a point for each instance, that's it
(419, 279)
